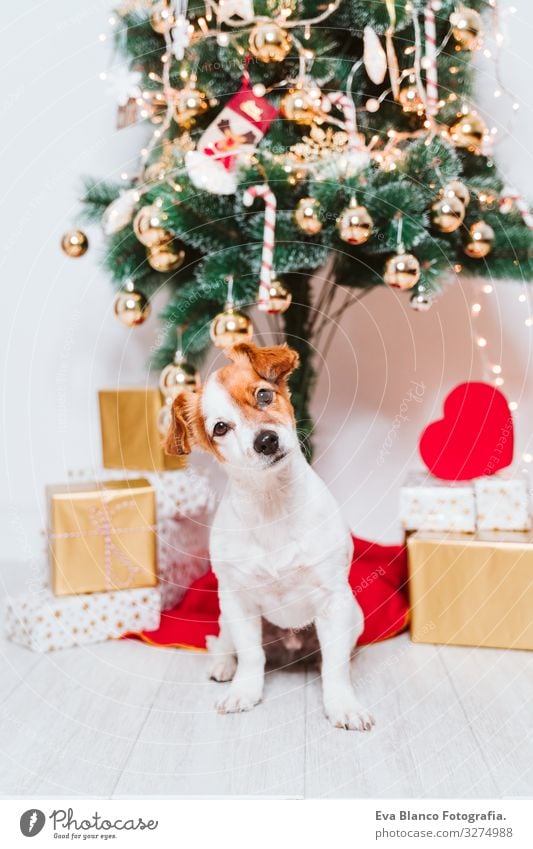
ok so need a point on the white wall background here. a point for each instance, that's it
(59, 341)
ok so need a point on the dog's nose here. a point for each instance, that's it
(266, 442)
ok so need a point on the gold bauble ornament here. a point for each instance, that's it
(458, 190)
(447, 214)
(162, 18)
(75, 243)
(421, 301)
(410, 100)
(188, 103)
(301, 105)
(269, 42)
(354, 224)
(466, 27)
(165, 258)
(402, 271)
(279, 299)
(178, 376)
(307, 216)
(230, 327)
(468, 132)
(480, 239)
(149, 225)
(131, 306)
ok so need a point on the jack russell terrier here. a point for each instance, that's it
(278, 545)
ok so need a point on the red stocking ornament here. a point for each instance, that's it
(237, 129)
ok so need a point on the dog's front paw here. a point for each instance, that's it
(347, 713)
(223, 668)
(238, 699)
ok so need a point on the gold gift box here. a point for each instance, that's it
(102, 537)
(472, 590)
(130, 436)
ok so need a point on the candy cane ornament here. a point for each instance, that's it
(432, 90)
(264, 301)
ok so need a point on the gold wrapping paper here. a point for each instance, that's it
(472, 590)
(130, 436)
(102, 537)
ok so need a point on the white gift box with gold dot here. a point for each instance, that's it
(430, 504)
(42, 622)
(503, 503)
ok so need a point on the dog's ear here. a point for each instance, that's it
(274, 364)
(181, 434)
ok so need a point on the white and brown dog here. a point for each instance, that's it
(278, 545)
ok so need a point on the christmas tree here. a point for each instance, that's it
(289, 139)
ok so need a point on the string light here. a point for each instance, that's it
(494, 371)
(223, 38)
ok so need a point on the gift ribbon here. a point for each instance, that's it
(101, 520)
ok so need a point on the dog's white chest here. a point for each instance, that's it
(287, 561)
(292, 599)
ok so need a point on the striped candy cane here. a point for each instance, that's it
(267, 257)
(521, 205)
(432, 91)
(338, 98)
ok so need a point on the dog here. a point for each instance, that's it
(278, 545)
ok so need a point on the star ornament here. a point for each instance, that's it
(228, 10)
(124, 84)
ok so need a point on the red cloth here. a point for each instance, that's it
(378, 578)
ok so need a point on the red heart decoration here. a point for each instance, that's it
(475, 436)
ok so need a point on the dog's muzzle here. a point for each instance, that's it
(266, 442)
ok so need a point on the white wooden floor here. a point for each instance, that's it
(124, 718)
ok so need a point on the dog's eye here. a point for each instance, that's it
(220, 429)
(265, 397)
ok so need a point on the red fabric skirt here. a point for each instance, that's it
(378, 578)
